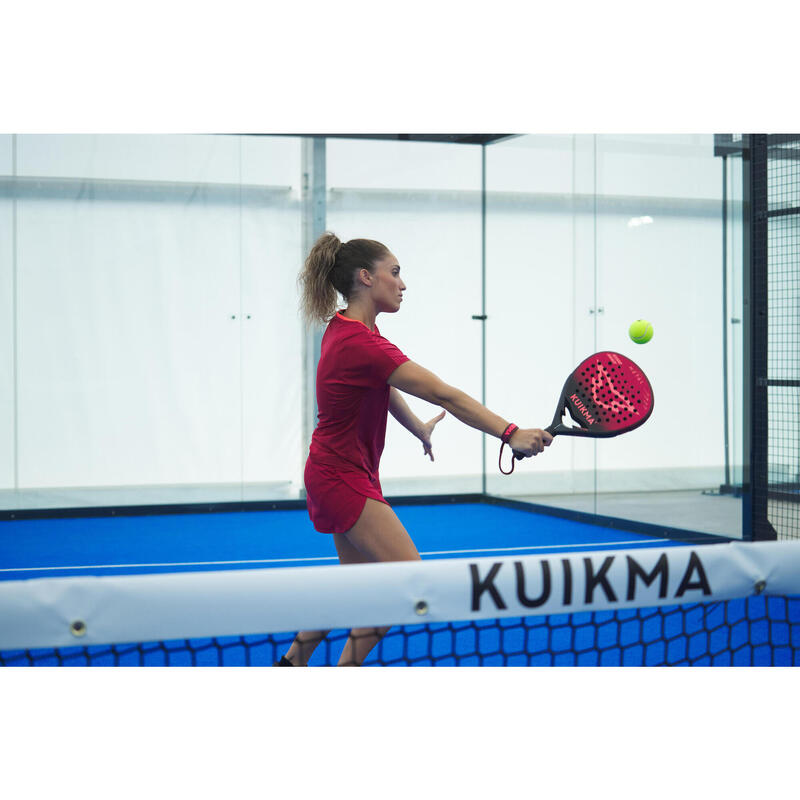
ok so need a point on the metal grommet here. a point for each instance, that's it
(421, 608)
(77, 628)
(760, 586)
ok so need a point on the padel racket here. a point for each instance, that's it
(606, 395)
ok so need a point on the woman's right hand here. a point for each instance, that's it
(530, 441)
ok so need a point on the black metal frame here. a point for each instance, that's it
(759, 528)
(727, 486)
(761, 148)
(753, 148)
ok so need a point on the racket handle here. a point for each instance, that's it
(551, 429)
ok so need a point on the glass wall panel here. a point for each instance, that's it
(147, 352)
(659, 253)
(540, 291)
(272, 333)
(423, 200)
(593, 233)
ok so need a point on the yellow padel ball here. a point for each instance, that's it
(641, 331)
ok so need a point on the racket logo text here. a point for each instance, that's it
(576, 401)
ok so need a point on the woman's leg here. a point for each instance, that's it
(303, 646)
(306, 641)
(378, 535)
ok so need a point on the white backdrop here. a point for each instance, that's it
(158, 340)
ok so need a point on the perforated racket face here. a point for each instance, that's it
(608, 394)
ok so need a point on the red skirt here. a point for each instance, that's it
(336, 497)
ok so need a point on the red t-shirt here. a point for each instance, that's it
(353, 397)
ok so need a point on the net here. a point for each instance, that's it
(721, 604)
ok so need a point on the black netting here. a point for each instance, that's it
(757, 631)
(783, 352)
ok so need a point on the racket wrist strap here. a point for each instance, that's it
(505, 437)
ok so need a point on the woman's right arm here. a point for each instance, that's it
(413, 379)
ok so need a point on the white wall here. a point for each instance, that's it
(156, 343)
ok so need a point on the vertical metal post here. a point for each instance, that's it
(314, 191)
(756, 365)
(747, 362)
(725, 319)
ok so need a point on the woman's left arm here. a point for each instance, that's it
(409, 420)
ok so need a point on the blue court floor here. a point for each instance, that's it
(263, 539)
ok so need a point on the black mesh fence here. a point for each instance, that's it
(783, 336)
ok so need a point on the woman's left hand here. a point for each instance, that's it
(425, 434)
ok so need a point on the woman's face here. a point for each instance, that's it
(387, 286)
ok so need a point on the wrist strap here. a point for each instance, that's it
(508, 433)
(505, 437)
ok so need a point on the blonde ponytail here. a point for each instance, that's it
(318, 294)
(330, 268)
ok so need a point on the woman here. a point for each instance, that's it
(360, 378)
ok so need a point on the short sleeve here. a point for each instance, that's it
(371, 359)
